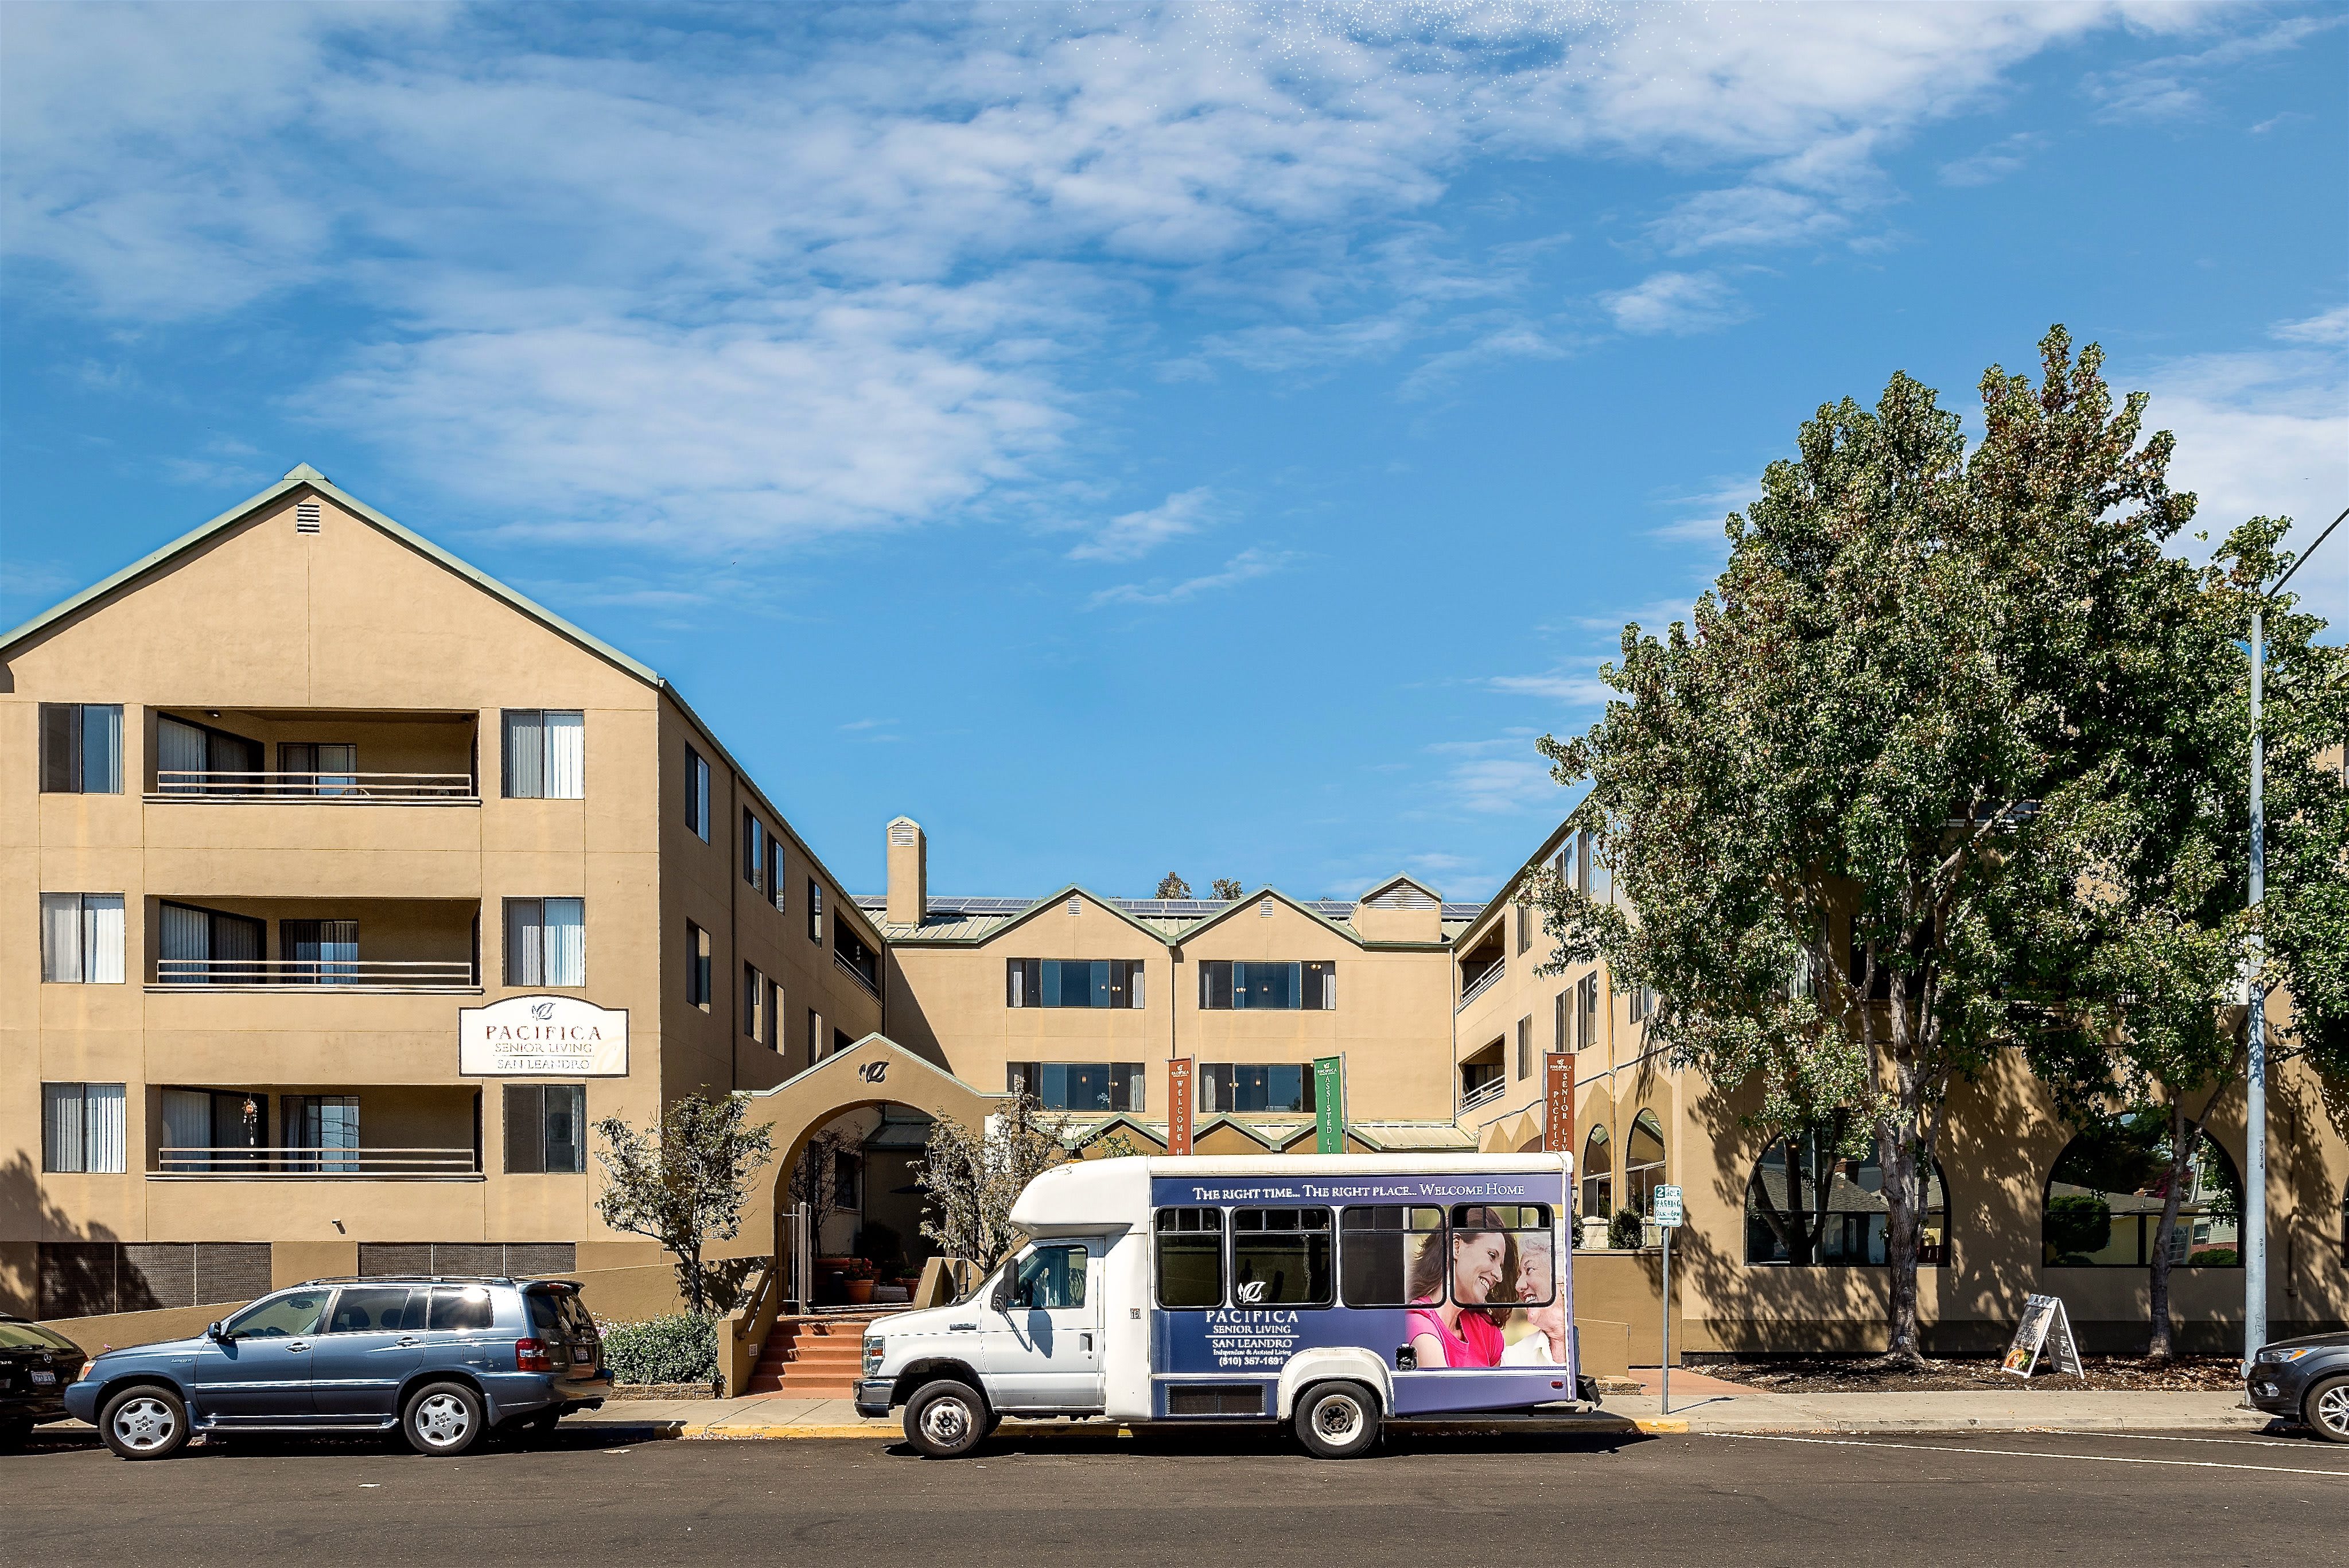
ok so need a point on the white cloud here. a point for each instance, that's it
(1749, 215)
(1677, 303)
(1245, 567)
(1704, 515)
(1503, 776)
(1576, 689)
(1137, 534)
(2331, 326)
(1994, 162)
(2170, 87)
(2264, 432)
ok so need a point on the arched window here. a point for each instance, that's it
(1810, 1204)
(2105, 1194)
(1598, 1175)
(1643, 1162)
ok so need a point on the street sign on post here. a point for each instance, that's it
(1668, 1218)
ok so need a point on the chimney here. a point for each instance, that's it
(909, 872)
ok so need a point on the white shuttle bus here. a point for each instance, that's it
(1332, 1291)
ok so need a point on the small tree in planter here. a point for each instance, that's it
(1623, 1232)
(682, 1181)
(970, 1178)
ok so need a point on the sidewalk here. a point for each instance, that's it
(1699, 1405)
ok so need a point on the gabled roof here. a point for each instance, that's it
(1392, 883)
(1239, 905)
(949, 929)
(302, 475)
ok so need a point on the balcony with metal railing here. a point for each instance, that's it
(1483, 1094)
(1482, 983)
(246, 1162)
(313, 787)
(330, 1132)
(379, 975)
(317, 757)
(314, 945)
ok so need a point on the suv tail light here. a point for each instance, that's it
(531, 1356)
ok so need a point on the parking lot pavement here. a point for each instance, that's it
(593, 1491)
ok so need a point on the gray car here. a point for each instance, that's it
(2306, 1380)
(439, 1360)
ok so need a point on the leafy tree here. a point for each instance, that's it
(816, 1184)
(682, 1180)
(1172, 886)
(1228, 890)
(970, 1178)
(1824, 800)
(2079, 1226)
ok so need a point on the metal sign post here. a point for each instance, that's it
(1668, 1220)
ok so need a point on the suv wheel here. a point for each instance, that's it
(145, 1423)
(945, 1419)
(442, 1418)
(2327, 1410)
(1338, 1420)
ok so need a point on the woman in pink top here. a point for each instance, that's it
(1450, 1328)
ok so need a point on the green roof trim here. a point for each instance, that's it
(302, 475)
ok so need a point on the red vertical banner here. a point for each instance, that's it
(1558, 1102)
(1179, 1101)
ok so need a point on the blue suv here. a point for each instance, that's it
(442, 1360)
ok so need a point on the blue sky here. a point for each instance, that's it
(1214, 438)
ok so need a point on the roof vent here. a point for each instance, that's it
(1076, 906)
(1403, 895)
(1264, 910)
(307, 516)
(902, 831)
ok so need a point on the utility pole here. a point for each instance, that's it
(2255, 1107)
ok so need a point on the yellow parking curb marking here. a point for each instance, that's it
(1660, 1424)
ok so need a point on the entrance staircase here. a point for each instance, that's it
(812, 1358)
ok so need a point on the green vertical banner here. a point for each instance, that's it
(1329, 1104)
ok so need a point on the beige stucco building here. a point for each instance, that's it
(343, 887)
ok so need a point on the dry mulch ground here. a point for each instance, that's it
(1866, 1375)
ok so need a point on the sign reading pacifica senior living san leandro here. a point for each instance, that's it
(542, 1036)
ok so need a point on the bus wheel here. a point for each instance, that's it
(1338, 1420)
(945, 1419)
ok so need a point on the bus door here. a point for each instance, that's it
(1046, 1353)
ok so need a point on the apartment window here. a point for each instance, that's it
(1242, 984)
(815, 910)
(1524, 926)
(1255, 1086)
(326, 1128)
(1526, 1046)
(1079, 1086)
(203, 947)
(545, 754)
(1073, 982)
(319, 952)
(847, 1180)
(696, 966)
(318, 767)
(197, 760)
(82, 1127)
(1561, 1036)
(696, 794)
(1586, 1012)
(81, 749)
(546, 1128)
(754, 848)
(754, 1004)
(81, 938)
(775, 869)
(815, 1037)
(546, 941)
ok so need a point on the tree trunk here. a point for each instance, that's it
(2183, 1135)
(1896, 1153)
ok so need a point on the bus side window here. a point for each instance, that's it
(1385, 1248)
(1190, 1257)
(1281, 1257)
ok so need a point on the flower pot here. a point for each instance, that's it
(860, 1292)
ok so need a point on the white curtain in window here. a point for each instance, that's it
(525, 754)
(186, 1124)
(61, 1127)
(103, 1130)
(186, 945)
(566, 942)
(61, 936)
(179, 748)
(101, 938)
(567, 755)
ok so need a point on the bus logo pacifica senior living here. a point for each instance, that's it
(542, 1036)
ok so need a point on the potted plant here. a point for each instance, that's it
(861, 1275)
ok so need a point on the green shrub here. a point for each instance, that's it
(2079, 1224)
(1624, 1230)
(681, 1348)
(2216, 1258)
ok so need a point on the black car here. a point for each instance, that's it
(37, 1363)
(2306, 1380)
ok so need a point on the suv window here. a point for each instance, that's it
(461, 1307)
(281, 1317)
(360, 1309)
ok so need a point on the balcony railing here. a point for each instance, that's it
(853, 973)
(1482, 983)
(1484, 1093)
(342, 789)
(306, 1164)
(365, 973)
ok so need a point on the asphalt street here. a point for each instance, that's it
(599, 1496)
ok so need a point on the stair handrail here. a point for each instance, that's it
(748, 1325)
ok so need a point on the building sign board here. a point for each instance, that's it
(1558, 1102)
(542, 1036)
(1180, 1099)
(1329, 1104)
